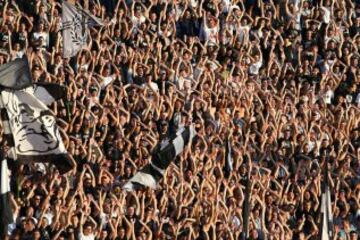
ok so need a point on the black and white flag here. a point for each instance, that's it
(327, 217)
(326, 212)
(35, 134)
(6, 216)
(75, 22)
(228, 159)
(29, 127)
(152, 173)
(15, 74)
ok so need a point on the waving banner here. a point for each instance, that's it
(75, 22)
(152, 173)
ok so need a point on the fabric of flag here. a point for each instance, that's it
(49, 92)
(326, 231)
(152, 173)
(228, 159)
(32, 126)
(75, 22)
(6, 215)
(326, 220)
(16, 74)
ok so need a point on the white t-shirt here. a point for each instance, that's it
(180, 83)
(18, 54)
(44, 35)
(357, 100)
(326, 16)
(137, 20)
(243, 33)
(255, 67)
(89, 237)
(194, 3)
(226, 4)
(153, 86)
(106, 81)
(328, 96)
(210, 33)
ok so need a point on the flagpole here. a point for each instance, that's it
(328, 197)
(246, 205)
(6, 214)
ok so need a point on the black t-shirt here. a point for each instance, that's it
(139, 80)
(20, 38)
(307, 225)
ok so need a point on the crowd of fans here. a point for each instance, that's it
(279, 79)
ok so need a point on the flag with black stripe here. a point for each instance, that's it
(6, 216)
(152, 173)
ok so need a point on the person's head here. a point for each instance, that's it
(41, 26)
(104, 234)
(212, 22)
(140, 71)
(164, 126)
(306, 148)
(107, 71)
(308, 206)
(37, 200)
(117, 32)
(153, 17)
(354, 61)
(87, 229)
(29, 224)
(354, 235)
(36, 234)
(137, 11)
(131, 211)
(301, 236)
(254, 234)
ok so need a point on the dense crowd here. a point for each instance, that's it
(279, 79)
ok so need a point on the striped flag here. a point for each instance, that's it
(152, 173)
(6, 216)
(326, 232)
(75, 21)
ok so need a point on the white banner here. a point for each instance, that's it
(75, 22)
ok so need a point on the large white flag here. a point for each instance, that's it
(75, 22)
(32, 126)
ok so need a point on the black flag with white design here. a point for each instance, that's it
(75, 21)
(152, 173)
(6, 216)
